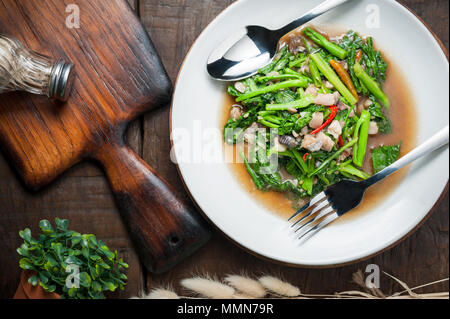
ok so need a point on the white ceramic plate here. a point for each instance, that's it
(198, 109)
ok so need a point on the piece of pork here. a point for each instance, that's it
(328, 85)
(250, 133)
(363, 104)
(305, 67)
(236, 112)
(344, 64)
(286, 177)
(312, 90)
(311, 143)
(373, 128)
(327, 142)
(273, 73)
(327, 99)
(345, 154)
(296, 44)
(342, 106)
(335, 129)
(317, 120)
(240, 87)
(304, 131)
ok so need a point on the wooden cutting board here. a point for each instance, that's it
(118, 77)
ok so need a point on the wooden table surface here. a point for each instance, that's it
(83, 196)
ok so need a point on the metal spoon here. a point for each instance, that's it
(254, 47)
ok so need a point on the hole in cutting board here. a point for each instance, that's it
(175, 241)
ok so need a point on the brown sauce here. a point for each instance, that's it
(403, 116)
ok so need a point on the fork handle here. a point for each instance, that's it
(437, 141)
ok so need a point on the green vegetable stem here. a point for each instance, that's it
(334, 156)
(362, 130)
(303, 102)
(279, 77)
(303, 82)
(315, 74)
(323, 42)
(350, 169)
(329, 73)
(371, 84)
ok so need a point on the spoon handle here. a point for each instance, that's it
(312, 14)
(437, 141)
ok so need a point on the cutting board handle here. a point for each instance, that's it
(163, 227)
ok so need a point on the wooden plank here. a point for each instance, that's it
(82, 196)
(88, 204)
(134, 131)
(173, 26)
(83, 192)
(119, 78)
(434, 13)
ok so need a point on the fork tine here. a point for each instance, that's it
(331, 217)
(312, 202)
(313, 221)
(312, 213)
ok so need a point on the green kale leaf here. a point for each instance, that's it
(384, 156)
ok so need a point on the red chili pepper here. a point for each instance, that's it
(330, 119)
(341, 141)
(305, 157)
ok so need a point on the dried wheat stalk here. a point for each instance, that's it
(244, 287)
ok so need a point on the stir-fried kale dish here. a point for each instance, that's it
(307, 117)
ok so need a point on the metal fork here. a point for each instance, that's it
(346, 195)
